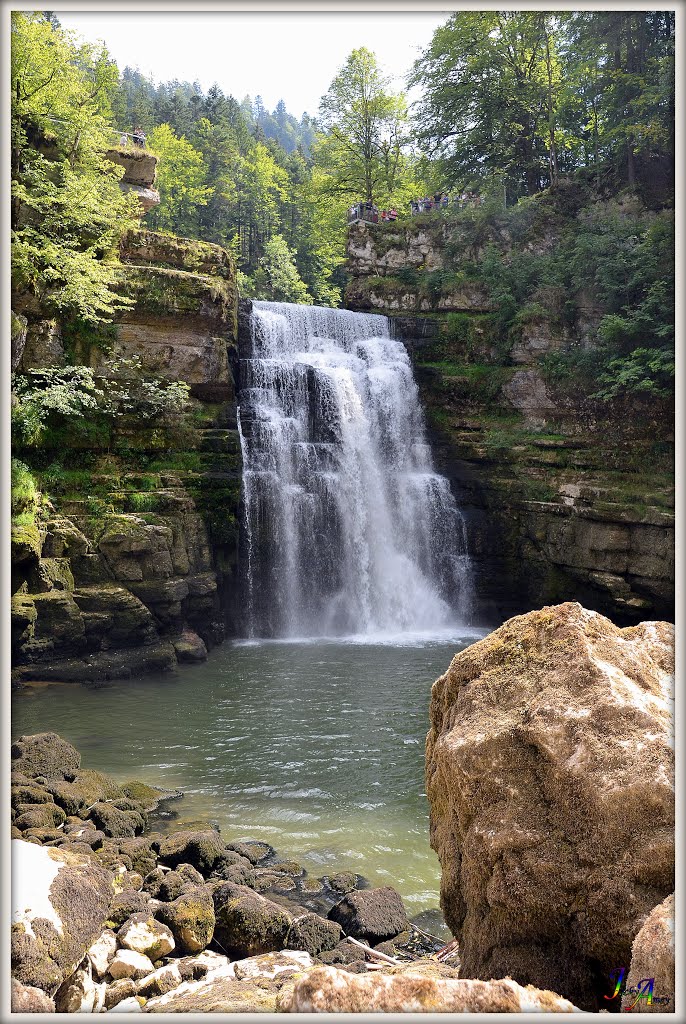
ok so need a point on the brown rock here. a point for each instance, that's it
(652, 957)
(327, 990)
(550, 780)
(46, 754)
(27, 999)
(371, 914)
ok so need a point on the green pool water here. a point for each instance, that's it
(315, 747)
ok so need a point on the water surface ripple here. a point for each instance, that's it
(316, 747)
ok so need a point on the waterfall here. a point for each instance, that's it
(347, 528)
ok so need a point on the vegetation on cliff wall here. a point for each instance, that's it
(67, 208)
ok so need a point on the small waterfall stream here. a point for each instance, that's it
(347, 528)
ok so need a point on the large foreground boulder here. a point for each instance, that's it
(327, 990)
(59, 905)
(549, 773)
(652, 958)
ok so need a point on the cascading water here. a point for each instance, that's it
(348, 529)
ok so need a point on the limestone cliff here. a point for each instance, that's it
(131, 565)
(564, 497)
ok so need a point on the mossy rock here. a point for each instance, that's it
(26, 543)
(44, 754)
(190, 918)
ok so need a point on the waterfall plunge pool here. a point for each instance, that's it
(314, 746)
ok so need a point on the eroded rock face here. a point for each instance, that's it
(327, 990)
(59, 905)
(549, 774)
(652, 956)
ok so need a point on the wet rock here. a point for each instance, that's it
(201, 849)
(59, 906)
(549, 775)
(371, 914)
(44, 754)
(191, 920)
(327, 990)
(115, 822)
(124, 988)
(248, 924)
(143, 934)
(253, 851)
(344, 881)
(232, 867)
(27, 999)
(128, 963)
(288, 867)
(265, 878)
(189, 647)
(652, 956)
(313, 934)
(176, 882)
(101, 953)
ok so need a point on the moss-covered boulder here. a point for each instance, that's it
(59, 906)
(125, 904)
(44, 754)
(201, 849)
(190, 918)
(247, 923)
(115, 822)
(39, 816)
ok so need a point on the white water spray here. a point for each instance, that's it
(348, 529)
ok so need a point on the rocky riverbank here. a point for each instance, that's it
(550, 779)
(111, 916)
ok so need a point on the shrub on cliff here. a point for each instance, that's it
(49, 398)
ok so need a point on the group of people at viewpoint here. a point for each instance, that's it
(137, 136)
(369, 212)
(440, 201)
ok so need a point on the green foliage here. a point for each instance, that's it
(531, 95)
(67, 208)
(181, 180)
(89, 401)
(25, 494)
(277, 277)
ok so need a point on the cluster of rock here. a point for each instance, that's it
(109, 918)
(130, 598)
(550, 778)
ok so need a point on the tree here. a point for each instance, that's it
(68, 211)
(363, 129)
(491, 84)
(276, 277)
(182, 182)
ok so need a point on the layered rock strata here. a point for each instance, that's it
(563, 496)
(138, 573)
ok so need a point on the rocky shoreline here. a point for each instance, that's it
(109, 916)
(550, 781)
